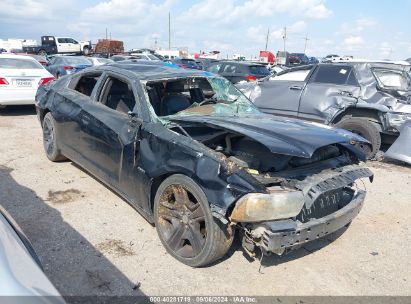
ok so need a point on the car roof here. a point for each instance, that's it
(145, 71)
(13, 56)
(247, 63)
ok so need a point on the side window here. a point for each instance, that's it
(214, 68)
(335, 74)
(118, 95)
(299, 75)
(61, 40)
(85, 84)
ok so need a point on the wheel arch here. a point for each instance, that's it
(372, 114)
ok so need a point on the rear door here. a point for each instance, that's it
(331, 87)
(281, 94)
(63, 45)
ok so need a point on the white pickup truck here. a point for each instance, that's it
(59, 45)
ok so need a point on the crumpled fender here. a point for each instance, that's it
(401, 148)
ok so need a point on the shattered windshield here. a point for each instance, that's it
(197, 96)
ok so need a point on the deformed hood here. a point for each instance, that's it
(280, 135)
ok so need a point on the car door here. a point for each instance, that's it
(74, 45)
(110, 133)
(331, 87)
(62, 45)
(281, 94)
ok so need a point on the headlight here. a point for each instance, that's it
(257, 207)
(396, 120)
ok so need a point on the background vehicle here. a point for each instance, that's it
(237, 71)
(65, 65)
(21, 272)
(41, 59)
(204, 63)
(186, 63)
(144, 56)
(59, 45)
(282, 58)
(99, 61)
(20, 76)
(298, 59)
(117, 58)
(180, 171)
(371, 99)
(313, 60)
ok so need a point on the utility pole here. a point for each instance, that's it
(285, 37)
(266, 41)
(169, 31)
(306, 40)
(106, 34)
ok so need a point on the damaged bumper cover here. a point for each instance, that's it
(295, 234)
(330, 203)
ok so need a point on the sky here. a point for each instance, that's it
(363, 29)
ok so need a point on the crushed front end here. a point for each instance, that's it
(300, 208)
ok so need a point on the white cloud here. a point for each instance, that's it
(354, 40)
(358, 26)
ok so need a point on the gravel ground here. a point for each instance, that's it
(91, 242)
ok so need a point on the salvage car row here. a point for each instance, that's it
(189, 151)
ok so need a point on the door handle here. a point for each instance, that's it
(296, 88)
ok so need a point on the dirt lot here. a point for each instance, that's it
(91, 242)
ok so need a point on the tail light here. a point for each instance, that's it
(67, 67)
(182, 66)
(45, 80)
(251, 78)
(3, 81)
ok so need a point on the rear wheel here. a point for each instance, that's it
(86, 50)
(50, 141)
(366, 129)
(185, 224)
(42, 53)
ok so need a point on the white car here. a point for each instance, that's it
(20, 76)
(95, 61)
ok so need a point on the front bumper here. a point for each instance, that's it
(291, 234)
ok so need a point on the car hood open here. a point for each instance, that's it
(280, 135)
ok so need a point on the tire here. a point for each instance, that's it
(42, 53)
(86, 50)
(50, 142)
(185, 224)
(366, 129)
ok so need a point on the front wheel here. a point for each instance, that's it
(366, 129)
(50, 142)
(185, 224)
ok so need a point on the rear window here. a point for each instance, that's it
(16, 63)
(188, 61)
(259, 70)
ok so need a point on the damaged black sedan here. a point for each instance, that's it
(195, 157)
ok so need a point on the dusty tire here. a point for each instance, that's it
(50, 141)
(86, 50)
(42, 53)
(185, 224)
(366, 129)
